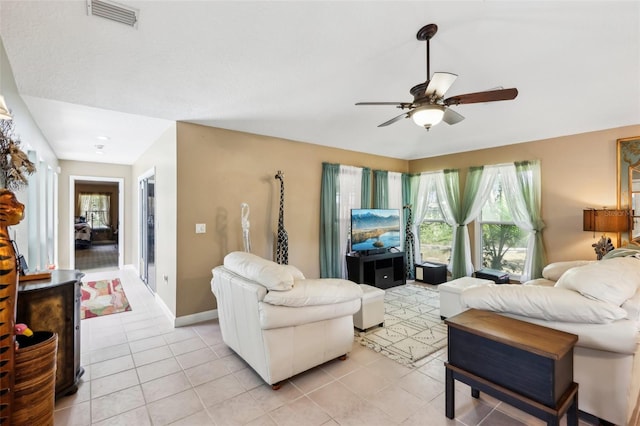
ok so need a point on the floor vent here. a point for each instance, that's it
(113, 11)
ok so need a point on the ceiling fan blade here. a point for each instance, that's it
(394, 119)
(440, 83)
(488, 96)
(451, 117)
(398, 104)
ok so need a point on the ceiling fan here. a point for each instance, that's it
(429, 105)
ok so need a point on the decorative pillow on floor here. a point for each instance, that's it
(610, 280)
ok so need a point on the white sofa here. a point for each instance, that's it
(280, 323)
(599, 302)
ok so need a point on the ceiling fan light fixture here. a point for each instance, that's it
(428, 115)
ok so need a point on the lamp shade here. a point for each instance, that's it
(428, 115)
(4, 110)
(605, 220)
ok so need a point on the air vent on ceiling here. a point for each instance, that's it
(113, 11)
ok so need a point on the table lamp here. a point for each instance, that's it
(605, 221)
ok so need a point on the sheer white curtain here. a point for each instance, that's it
(349, 197)
(426, 188)
(489, 174)
(518, 209)
(395, 190)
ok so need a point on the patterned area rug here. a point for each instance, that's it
(103, 297)
(412, 326)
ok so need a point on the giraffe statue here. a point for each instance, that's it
(409, 243)
(282, 245)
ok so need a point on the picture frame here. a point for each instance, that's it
(628, 177)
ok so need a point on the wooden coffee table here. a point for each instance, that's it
(525, 365)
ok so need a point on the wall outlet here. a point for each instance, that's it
(201, 228)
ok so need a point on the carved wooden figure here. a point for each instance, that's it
(282, 244)
(409, 243)
(11, 212)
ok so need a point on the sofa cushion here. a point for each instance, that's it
(547, 303)
(265, 272)
(554, 271)
(311, 292)
(275, 316)
(612, 280)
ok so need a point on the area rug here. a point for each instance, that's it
(412, 328)
(103, 297)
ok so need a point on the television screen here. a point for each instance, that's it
(375, 229)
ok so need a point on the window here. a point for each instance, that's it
(436, 235)
(96, 209)
(503, 246)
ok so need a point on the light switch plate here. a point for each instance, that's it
(201, 228)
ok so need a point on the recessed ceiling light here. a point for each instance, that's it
(103, 138)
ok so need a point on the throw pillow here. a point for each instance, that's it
(554, 271)
(546, 303)
(610, 280)
(265, 272)
(310, 292)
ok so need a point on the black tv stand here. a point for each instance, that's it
(382, 270)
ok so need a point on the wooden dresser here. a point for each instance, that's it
(54, 305)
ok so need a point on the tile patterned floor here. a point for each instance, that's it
(142, 371)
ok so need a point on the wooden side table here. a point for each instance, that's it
(525, 365)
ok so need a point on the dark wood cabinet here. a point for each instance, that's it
(54, 305)
(380, 270)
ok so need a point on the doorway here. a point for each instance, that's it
(146, 189)
(96, 216)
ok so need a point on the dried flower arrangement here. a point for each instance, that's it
(14, 163)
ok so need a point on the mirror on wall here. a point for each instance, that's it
(629, 185)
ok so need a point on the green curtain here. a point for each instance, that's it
(381, 198)
(329, 221)
(459, 210)
(365, 198)
(529, 181)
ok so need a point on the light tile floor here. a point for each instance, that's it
(142, 371)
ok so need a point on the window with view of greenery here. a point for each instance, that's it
(504, 245)
(436, 236)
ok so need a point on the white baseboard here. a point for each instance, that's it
(186, 319)
(196, 318)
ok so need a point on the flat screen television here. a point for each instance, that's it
(375, 230)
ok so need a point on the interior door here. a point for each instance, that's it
(147, 232)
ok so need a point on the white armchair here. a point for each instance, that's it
(280, 323)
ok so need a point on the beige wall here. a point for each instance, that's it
(82, 169)
(578, 171)
(160, 158)
(220, 169)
